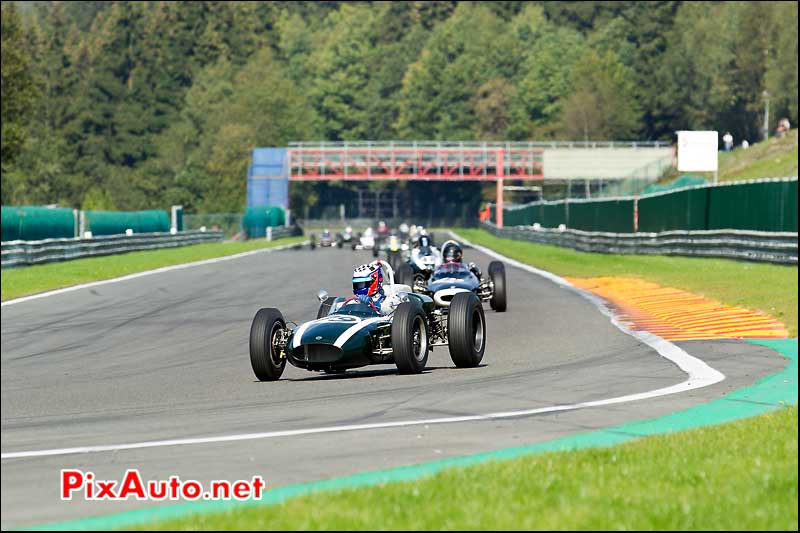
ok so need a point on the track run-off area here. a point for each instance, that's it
(152, 372)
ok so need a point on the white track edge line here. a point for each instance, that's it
(144, 273)
(700, 375)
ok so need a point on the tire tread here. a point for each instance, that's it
(403, 351)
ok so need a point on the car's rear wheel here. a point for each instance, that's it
(405, 275)
(466, 330)
(497, 273)
(325, 307)
(265, 333)
(410, 338)
(312, 243)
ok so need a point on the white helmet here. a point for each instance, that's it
(368, 280)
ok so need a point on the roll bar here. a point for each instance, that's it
(390, 273)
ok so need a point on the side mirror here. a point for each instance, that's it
(322, 295)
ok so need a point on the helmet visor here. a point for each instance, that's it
(452, 255)
(367, 285)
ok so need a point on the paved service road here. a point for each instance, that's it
(166, 356)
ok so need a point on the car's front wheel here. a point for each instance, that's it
(410, 338)
(466, 330)
(266, 333)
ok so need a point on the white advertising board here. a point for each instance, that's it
(697, 151)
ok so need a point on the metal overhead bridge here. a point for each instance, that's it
(443, 161)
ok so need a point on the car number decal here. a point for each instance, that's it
(346, 319)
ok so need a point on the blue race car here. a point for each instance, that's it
(454, 277)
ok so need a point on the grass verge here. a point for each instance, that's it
(771, 159)
(775, 158)
(771, 289)
(709, 478)
(23, 281)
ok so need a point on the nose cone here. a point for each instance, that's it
(453, 283)
(323, 331)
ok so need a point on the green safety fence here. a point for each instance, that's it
(769, 205)
(30, 223)
(686, 210)
(614, 216)
(257, 219)
(553, 215)
(766, 206)
(517, 217)
(117, 222)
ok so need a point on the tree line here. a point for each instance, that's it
(128, 105)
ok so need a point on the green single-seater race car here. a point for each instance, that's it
(349, 334)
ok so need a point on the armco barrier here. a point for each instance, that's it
(19, 253)
(772, 247)
(279, 232)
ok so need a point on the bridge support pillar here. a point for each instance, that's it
(499, 170)
(499, 209)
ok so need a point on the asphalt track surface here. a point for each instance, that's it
(166, 356)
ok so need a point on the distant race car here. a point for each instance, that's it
(396, 250)
(381, 235)
(454, 277)
(422, 261)
(355, 334)
(346, 238)
(326, 239)
(366, 241)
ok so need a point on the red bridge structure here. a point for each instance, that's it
(427, 161)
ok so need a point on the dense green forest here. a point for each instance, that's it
(127, 105)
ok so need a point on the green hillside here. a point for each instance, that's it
(770, 159)
(775, 158)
